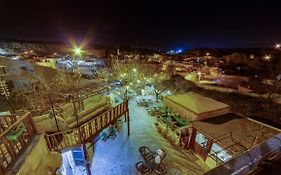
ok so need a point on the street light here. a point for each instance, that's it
(267, 57)
(278, 46)
(77, 51)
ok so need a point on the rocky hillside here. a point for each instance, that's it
(16, 47)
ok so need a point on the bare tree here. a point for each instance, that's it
(135, 75)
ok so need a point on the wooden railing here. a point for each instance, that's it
(15, 139)
(86, 132)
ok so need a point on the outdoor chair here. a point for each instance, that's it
(160, 169)
(145, 153)
(142, 168)
(164, 154)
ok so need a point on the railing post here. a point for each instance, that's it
(2, 168)
(128, 121)
(30, 121)
(48, 141)
(79, 135)
(123, 104)
(86, 159)
(9, 147)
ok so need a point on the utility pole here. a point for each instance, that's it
(75, 109)
(53, 110)
(76, 72)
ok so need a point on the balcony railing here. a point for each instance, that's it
(84, 133)
(16, 134)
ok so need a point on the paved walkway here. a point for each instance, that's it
(118, 156)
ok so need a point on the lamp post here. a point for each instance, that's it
(77, 51)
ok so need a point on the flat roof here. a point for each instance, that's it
(231, 128)
(196, 103)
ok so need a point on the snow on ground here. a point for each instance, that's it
(118, 156)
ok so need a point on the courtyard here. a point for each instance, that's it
(118, 156)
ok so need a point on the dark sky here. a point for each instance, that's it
(145, 23)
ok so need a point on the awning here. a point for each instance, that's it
(192, 106)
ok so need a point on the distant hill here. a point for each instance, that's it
(46, 47)
(219, 52)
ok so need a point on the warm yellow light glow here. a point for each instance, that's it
(278, 46)
(267, 57)
(135, 70)
(77, 51)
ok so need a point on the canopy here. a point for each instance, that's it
(192, 106)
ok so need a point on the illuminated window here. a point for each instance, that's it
(201, 139)
(218, 151)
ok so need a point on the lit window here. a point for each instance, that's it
(201, 139)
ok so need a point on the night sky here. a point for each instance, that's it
(142, 23)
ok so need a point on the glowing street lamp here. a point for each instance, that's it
(252, 56)
(278, 46)
(77, 51)
(267, 57)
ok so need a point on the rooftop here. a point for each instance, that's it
(196, 103)
(232, 130)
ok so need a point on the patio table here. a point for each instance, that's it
(150, 164)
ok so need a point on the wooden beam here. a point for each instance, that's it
(86, 159)
(128, 121)
(192, 138)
